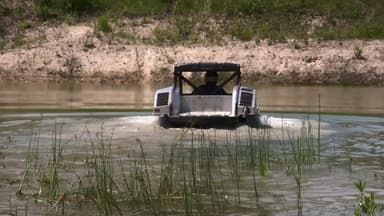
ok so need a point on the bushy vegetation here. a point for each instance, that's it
(103, 24)
(48, 9)
(275, 20)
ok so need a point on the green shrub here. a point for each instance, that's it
(45, 12)
(326, 34)
(145, 7)
(272, 30)
(103, 24)
(357, 30)
(80, 6)
(70, 19)
(365, 31)
(184, 27)
(165, 36)
(275, 20)
(48, 9)
(242, 31)
(22, 25)
(2, 31)
(19, 41)
(2, 44)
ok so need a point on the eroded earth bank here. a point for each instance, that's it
(82, 54)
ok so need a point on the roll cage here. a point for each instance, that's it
(204, 67)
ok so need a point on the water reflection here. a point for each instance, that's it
(333, 99)
(75, 96)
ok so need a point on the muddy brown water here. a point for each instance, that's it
(352, 139)
(335, 99)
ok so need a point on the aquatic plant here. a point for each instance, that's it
(102, 185)
(253, 164)
(233, 159)
(318, 126)
(47, 173)
(366, 204)
(303, 154)
(199, 172)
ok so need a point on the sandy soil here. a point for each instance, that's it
(78, 53)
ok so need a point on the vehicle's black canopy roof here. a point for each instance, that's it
(207, 66)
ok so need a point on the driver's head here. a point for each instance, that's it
(211, 77)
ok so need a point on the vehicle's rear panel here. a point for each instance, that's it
(206, 105)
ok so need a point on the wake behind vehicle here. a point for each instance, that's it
(222, 105)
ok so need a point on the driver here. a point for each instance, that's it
(210, 87)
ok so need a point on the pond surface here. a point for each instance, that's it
(351, 147)
(334, 99)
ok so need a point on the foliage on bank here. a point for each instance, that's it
(275, 20)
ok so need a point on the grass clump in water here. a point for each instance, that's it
(203, 172)
(301, 156)
(367, 204)
(102, 185)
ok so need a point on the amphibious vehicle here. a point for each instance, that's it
(225, 104)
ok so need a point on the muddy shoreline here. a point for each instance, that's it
(76, 53)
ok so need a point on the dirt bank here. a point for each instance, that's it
(78, 53)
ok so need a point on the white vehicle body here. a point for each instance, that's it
(178, 109)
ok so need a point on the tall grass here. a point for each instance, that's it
(103, 186)
(207, 21)
(302, 156)
(253, 163)
(245, 20)
(203, 172)
(54, 164)
(233, 163)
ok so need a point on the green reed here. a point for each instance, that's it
(31, 162)
(27, 165)
(233, 163)
(146, 180)
(167, 178)
(54, 165)
(102, 186)
(199, 172)
(318, 127)
(187, 194)
(252, 152)
(303, 154)
(209, 155)
(263, 151)
(367, 204)
(48, 173)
